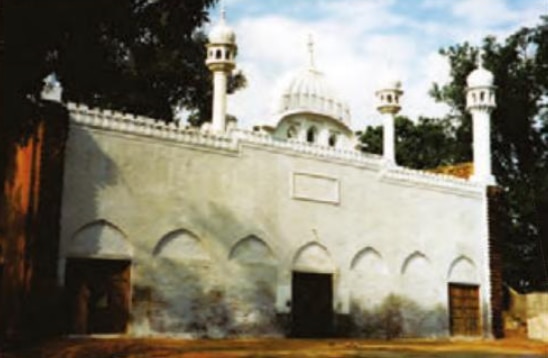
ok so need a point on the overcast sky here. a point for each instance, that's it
(357, 42)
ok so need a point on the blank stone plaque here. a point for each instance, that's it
(315, 187)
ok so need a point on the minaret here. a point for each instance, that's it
(221, 51)
(389, 105)
(480, 102)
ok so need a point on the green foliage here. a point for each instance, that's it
(519, 141)
(426, 144)
(202, 112)
(146, 57)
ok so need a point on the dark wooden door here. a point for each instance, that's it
(464, 310)
(99, 295)
(312, 306)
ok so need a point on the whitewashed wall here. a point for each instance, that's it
(214, 231)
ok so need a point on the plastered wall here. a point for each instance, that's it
(214, 235)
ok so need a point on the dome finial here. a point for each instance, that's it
(480, 58)
(221, 33)
(480, 77)
(223, 10)
(311, 50)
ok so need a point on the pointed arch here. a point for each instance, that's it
(100, 238)
(252, 250)
(415, 259)
(462, 270)
(368, 259)
(181, 244)
(370, 283)
(313, 257)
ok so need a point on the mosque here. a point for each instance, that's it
(284, 230)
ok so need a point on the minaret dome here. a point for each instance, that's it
(221, 54)
(221, 33)
(389, 95)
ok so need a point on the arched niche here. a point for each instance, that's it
(463, 270)
(313, 257)
(420, 281)
(368, 260)
(181, 245)
(100, 239)
(252, 250)
(370, 281)
(416, 262)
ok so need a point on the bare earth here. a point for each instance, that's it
(177, 348)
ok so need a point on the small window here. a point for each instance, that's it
(292, 132)
(227, 55)
(218, 54)
(332, 141)
(482, 95)
(389, 99)
(311, 135)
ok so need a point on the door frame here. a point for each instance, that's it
(70, 317)
(479, 321)
(330, 277)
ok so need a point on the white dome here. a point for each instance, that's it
(480, 77)
(222, 34)
(308, 91)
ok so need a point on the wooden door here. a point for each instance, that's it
(312, 307)
(99, 294)
(464, 310)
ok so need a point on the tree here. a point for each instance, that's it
(427, 144)
(142, 56)
(519, 141)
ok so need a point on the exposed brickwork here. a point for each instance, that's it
(496, 236)
(461, 170)
(29, 232)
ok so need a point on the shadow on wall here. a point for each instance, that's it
(398, 316)
(190, 298)
(87, 281)
(92, 170)
(248, 271)
(186, 289)
(181, 287)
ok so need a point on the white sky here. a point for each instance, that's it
(357, 42)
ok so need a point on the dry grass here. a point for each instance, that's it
(177, 348)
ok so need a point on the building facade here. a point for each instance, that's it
(286, 230)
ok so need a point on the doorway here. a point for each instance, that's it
(98, 294)
(312, 307)
(464, 310)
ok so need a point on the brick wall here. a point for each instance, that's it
(496, 236)
(29, 226)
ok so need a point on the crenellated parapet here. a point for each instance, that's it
(429, 180)
(146, 127)
(234, 140)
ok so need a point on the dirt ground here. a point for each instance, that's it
(177, 348)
